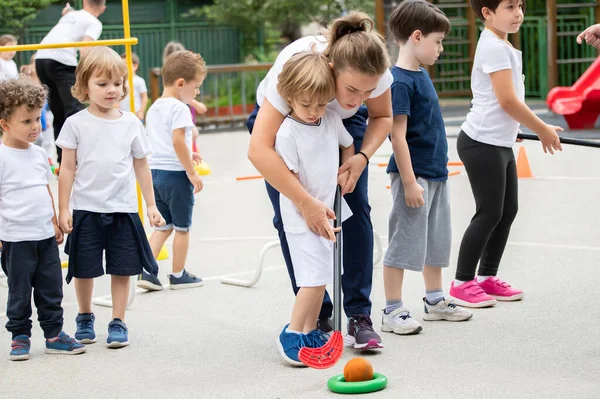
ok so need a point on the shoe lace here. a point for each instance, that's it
(117, 328)
(86, 324)
(363, 322)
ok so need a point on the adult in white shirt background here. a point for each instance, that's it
(56, 67)
(361, 64)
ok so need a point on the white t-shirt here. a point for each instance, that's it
(72, 27)
(139, 87)
(268, 86)
(487, 122)
(8, 69)
(164, 116)
(105, 179)
(311, 151)
(25, 205)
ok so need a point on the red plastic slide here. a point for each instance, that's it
(580, 103)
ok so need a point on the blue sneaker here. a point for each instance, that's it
(117, 334)
(289, 345)
(85, 328)
(316, 339)
(149, 282)
(187, 280)
(64, 345)
(19, 348)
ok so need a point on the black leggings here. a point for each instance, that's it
(492, 173)
(59, 78)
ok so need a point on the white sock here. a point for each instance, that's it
(177, 275)
(458, 283)
(287, 330)
(481, 279)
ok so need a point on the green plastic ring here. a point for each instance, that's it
(338, 384)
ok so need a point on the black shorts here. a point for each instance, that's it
(120, 235)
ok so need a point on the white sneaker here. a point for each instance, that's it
(399, 322)
(445, 310)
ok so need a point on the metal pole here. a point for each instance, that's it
(552, 44)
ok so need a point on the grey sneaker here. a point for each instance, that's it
(399, 322)
(445, 310)
(187, 280)
(149, 282)
(361, 334)
(324, 325)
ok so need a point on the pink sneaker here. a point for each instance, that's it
(470, 295)
(500, 290)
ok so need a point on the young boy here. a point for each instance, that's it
(140, 91)
(56, 67)
(485, 147)
(419, 225)
(169, 125)
(28, 227)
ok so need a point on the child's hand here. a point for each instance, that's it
(342, 179)
(196, 157)
(58, 234)
(197, 182)
(591, 36)
(65, 221)
(413, 194)
(140, 115)
(549, 138)
(154, 217)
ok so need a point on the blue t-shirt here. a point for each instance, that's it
(413, 94)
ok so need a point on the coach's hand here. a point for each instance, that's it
(355, 165)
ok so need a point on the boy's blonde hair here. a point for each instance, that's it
(182, 65)
(21, 91)
(307, 74)
(5, 39)
(354, 43)
(99, 61)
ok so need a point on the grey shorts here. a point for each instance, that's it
(419, 236)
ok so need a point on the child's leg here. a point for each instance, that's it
(119, 286)
(181, 244)
(304, 308)
(393, 278)
(19, 263)
(486, 167)
(157, 240)
(84, 288)
(433, 284)
(311, 321)
(48, 293)
(492, 254)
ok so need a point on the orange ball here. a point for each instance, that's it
(358, 369)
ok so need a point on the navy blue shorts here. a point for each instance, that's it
(120, 235)
(174, 195)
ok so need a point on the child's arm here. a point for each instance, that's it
(183, 154)
(141, 112)
(199, 107)
(144, 178)
(57, 231)
(507, 98)
(65, 186)
(413, 192)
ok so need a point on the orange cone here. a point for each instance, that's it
(523, 168)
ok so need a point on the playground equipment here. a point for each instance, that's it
(127, 41)
(580, 103)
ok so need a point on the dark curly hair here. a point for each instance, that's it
(21, 91)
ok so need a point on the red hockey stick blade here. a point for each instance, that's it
(325, 356)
